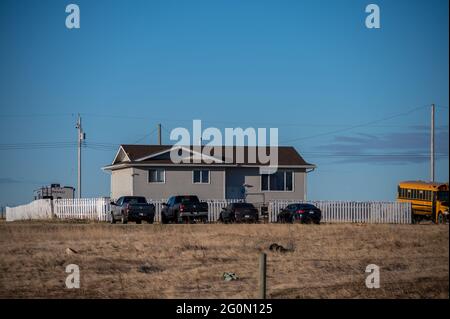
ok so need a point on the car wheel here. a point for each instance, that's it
(113, 221)
(139, 221)
(295, 220)
(440, 219)
(163, 219)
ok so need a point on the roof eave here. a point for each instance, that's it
(127, 165)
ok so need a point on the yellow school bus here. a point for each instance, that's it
(429, 200)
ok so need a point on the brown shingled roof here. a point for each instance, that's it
(287, 155)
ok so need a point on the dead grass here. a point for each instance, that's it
(187, 261)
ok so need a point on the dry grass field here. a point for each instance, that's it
(188, 261)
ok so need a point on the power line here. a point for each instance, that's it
(356, 126)
(18, 146)
(146, 135)
(146, 118)
(37, 115)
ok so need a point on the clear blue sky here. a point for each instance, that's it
(310, 68)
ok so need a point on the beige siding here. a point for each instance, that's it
(251, 176)
(179, 182)
(121, 183)
(134, 181)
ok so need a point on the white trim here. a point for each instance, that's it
(155, 169)
(304, 186)
(201, 183)
(192, 152)
(117, 154)
(224, 183)
(126, 165)
(278, 191)
(153, 155)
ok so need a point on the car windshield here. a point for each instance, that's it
(135, 200)
(244, 206)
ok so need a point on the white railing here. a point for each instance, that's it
(353, 212)
(82, 208)
(332, 211)
(215, 207)
(158, 207)
(38, 209)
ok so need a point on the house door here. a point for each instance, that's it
(235, 192)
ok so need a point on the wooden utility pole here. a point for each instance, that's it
(81, 138)
(432, 144)
(159, 134)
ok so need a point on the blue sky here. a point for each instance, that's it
(351, 100)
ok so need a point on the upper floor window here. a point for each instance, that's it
(200, 176)
(281, 181)
(157, 175)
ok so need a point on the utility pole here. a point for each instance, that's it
(159, 134)
(432, 143)
(81, 138)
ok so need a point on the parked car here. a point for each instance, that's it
(132, 208)
(184, 209)
(300, 213)
(238, 213)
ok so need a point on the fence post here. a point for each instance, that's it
(262, 275)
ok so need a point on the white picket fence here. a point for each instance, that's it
(353, 212)
(332, 211)
(82, 208)
(92, 209)
(38, 209)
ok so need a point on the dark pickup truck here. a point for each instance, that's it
(184, 209)
(132, 208)
(239, 213)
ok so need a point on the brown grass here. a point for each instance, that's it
(187, 261)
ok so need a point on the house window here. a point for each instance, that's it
(280, 181)
(200, 176)
(157, 175)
